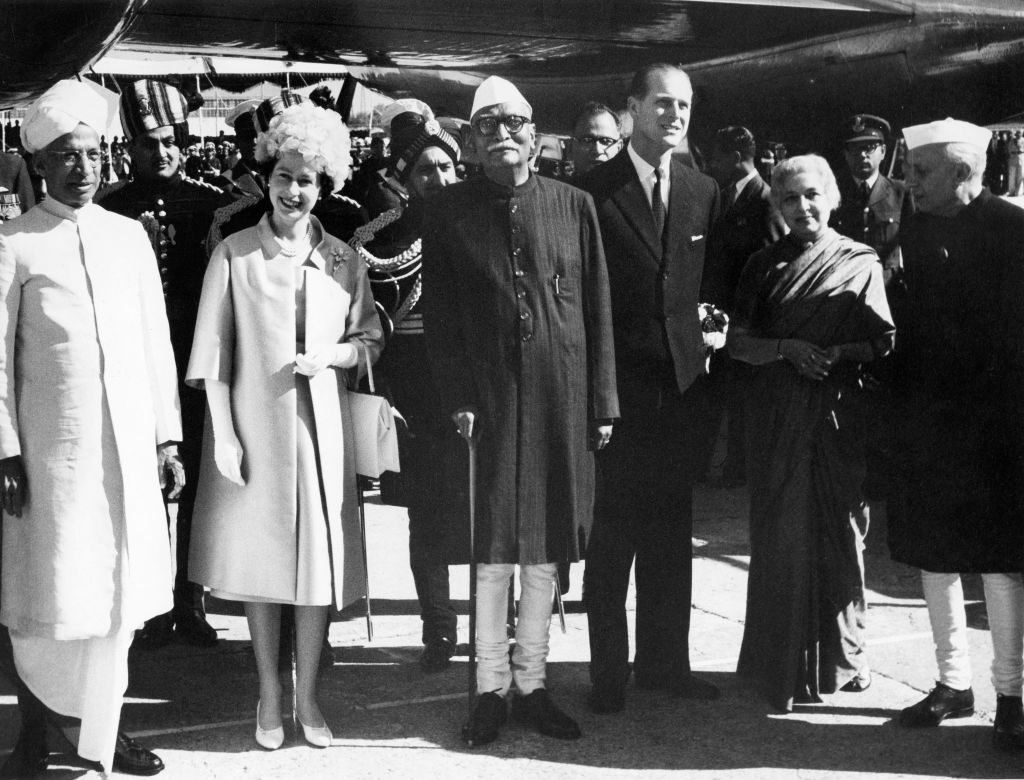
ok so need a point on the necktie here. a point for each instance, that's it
(657, 204)
(865, 194)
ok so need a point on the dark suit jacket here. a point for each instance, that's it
(654, 281)
(878, 226)
(748, 225)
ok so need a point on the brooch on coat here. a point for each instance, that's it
(335, 260)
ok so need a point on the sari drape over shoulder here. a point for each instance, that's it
(806, 466)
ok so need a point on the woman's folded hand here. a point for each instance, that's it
(227, 454)
(313, 361)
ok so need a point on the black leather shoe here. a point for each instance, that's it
(130, 758)
(156, 632)
(1009, 729)
(191, 627)
(30, 755)
(437, 655)
(489, 716)
(538, 710)
(607, 699)
(943, 702)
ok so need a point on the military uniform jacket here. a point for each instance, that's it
(959, 389)
(518, 325)
(878, 224)
(176, 215)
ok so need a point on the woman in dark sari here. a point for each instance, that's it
(810, 309)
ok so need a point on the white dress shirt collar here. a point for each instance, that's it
(645, 171)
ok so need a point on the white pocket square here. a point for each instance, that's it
(696, 238)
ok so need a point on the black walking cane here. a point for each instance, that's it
(467, 732)
(366, 567)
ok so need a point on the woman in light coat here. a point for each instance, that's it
(285, 309)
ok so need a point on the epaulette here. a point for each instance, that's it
(222, 215)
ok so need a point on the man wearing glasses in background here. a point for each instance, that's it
(518, 327)
(873, 206)
(596, 137)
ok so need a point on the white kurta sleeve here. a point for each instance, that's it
(10, 293)
(160, 368)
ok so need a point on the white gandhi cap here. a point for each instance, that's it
(947, 131)
(494, 90)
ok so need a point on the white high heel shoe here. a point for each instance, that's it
(317, 736)
(269, 739)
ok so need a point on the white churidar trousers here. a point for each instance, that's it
(494, 672)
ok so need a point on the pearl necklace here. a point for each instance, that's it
(290, 250)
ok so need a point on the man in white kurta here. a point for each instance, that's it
(88, 414)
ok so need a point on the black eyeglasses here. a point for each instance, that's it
(597, 140)
(488, 125)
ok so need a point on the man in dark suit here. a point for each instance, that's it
(655, 216)
(873, 207)
(748, 224)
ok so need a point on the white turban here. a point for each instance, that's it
(494, 90)
(60, 110)
(947, 131)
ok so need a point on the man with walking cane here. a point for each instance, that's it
(518, 326)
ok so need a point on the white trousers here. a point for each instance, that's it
(81, 678)
(1004, 600)
(527, 668)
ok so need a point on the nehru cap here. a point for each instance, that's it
(273, 106)
(947, 131)
(147, 105)
(494, 90)
(865, 127)
(60, 110)
(411, 133)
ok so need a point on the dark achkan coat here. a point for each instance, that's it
(959, 392)
(518, 325)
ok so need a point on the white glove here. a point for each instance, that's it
(313, 361)
(713, 341)
(227, 454)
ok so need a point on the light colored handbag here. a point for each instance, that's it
(373, 429)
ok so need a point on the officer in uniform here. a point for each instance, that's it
(245, 175)
(176, 212)
(873, 207)
(422, 162)
(16, 193)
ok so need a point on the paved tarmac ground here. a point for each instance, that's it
(196, 707)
